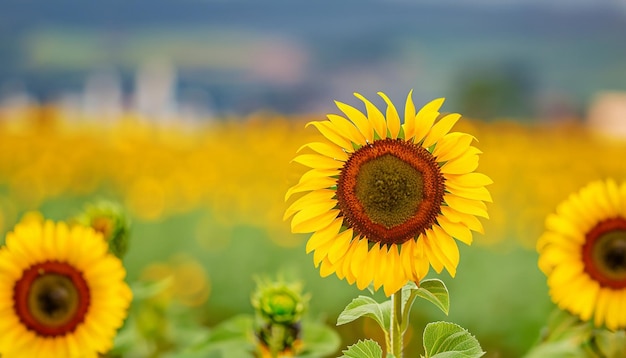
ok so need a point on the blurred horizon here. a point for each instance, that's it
(527, 60)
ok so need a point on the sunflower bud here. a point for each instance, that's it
(279, 307)
(109, 219)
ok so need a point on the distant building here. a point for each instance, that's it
(607, 114)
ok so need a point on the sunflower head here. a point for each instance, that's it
(583, 254)
(109, 219)
(384, 199)
(65, 294)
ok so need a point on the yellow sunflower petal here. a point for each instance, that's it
(587, 297)
(468, 162)
(366, 275)
(321, 253)
(457, 230)
(441, 128)
(330, 132)
(340, 245)
(375, 116)
(316, 161)
(466, 206)
(613, 311)
(612, 195)
(321, 182)
(302, 224)
(592, 197)
(470, 221)
(359, 119)
(326, 268)
(396, 280)
(452, 146)
(622, 193)
(357, 262)
(478, 193)
(435, 253)
(407, 256)
(377, 261)
(347, 261)
(393, 120)
(425, 118)
(471, 180)
(324, 235)
(561, 275)
(553, 255)
(446, 247)
(602, 308)
(622, 312)
(422, 245)
(347, 129)
(558, 224)
(327, 149)
(409, 117)
(420, 263)
(314, 197)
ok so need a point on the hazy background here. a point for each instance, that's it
(510, 58)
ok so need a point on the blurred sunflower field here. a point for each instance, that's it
(206, 203)
(200, 141)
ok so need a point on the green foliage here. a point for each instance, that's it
(232, 338)
(433, 290)
(611, 344)
(364, 306)
(449, 340)
(566, 336)
(363, 349)
(563, 337)
(318, 340)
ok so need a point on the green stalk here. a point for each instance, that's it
(396, 322)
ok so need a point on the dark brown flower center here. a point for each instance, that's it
(390, 191)
(604, 253)
(51, 298)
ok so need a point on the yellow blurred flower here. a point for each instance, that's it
(385, 199)
(184, 278)
(583, 253)
(63, 294)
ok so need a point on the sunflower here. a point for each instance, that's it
(61, 293)
(583, 254)
(384, 200)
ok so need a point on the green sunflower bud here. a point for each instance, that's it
(278, 302)
(279, 307)
(109, 219)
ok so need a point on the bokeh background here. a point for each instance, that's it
(189, 112)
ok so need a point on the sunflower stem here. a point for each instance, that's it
(396, 324)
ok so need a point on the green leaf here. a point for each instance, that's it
(233, 336)
(557, 349)
(144, 290)
(319, 340)
(363, 349)
(436, 292)
(368, 307)
(611, 344)
(448, 340)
